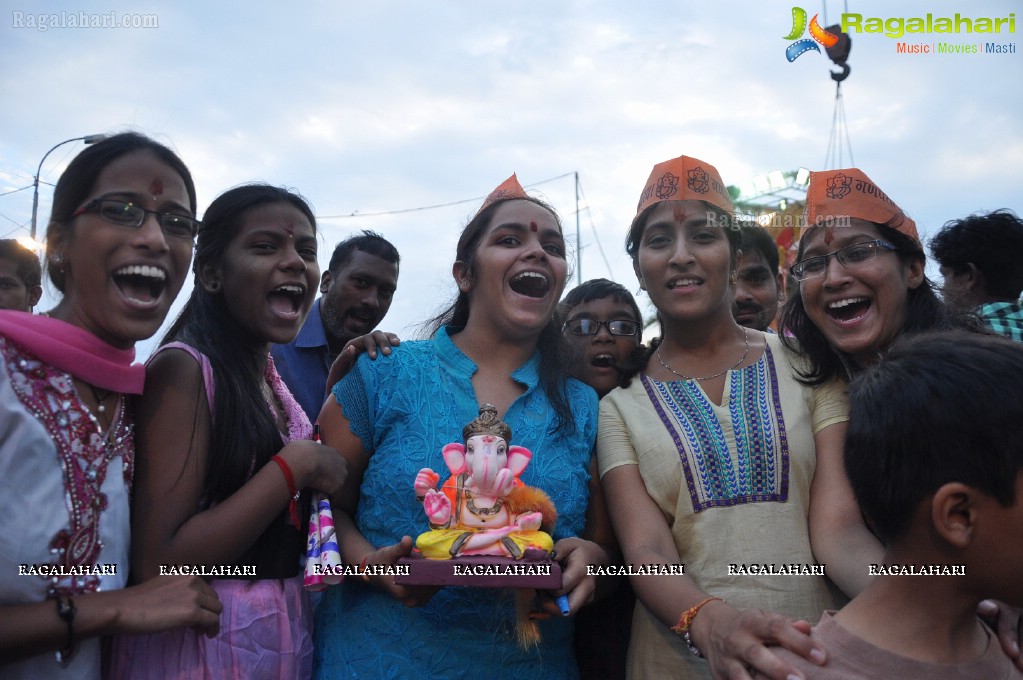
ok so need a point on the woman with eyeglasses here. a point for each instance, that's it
(707, 457)
(118, 247)
(860, 268)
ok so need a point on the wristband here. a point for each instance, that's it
(289, 477)
(686, 620)
(66, 611)
(362, 569)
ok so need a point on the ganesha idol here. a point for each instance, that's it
(484, 508)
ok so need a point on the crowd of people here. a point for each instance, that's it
(814, 480)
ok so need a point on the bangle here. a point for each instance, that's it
(289, 477)
(686, 620)
(66, 611)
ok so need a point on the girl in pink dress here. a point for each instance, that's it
(223, 448)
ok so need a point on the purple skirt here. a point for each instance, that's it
(265, 633)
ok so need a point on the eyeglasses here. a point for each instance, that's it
(850, 256)
(592, 326)
(131, 215)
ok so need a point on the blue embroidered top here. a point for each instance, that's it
(405, 408)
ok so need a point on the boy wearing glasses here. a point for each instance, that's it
(602, 327)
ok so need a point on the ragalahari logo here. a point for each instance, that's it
(793, 51)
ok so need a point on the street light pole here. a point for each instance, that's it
(88, 139)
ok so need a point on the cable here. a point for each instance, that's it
(839, 124)
(20, 225)
(14, 191)
(432, 207)
(596, 236)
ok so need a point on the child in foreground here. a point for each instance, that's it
(934, 457)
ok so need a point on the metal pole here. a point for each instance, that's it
(578, 241)
(88, 139)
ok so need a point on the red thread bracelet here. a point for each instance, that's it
(686, 620)
(289, 477)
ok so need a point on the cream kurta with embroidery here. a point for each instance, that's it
(733, 482)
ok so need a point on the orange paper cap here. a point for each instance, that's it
(509, 188)
(685, 179)
(834, 194)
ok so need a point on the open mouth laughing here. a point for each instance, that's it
(286, 300)
(531, 284)
(141, 284)
(848, 309)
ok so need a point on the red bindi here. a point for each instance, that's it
(156, 187)
(290, 229)
(829, 234)
(532, 226)
(680, 215)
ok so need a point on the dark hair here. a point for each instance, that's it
(729, 224)
(26, 263)
(78, 180)
(243, 433)
(993, 242)
(939, 407)
(924, 311)
(368, 242)
(757, 239)
(552, 375)
(598, 289)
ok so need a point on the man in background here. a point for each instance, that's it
(758, 280)
(980, 262)
(356, 292)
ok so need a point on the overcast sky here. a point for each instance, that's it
(384, 106)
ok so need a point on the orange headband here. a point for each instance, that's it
(682, 179)
(850, 193)
(509, 188)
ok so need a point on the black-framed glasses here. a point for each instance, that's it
(128, 214)
(592, 326)
(850, 256)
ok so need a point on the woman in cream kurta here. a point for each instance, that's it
(709, 457)
(748, 511)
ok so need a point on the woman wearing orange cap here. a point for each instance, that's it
(499, 343)
(860, 269)
(707, 458)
